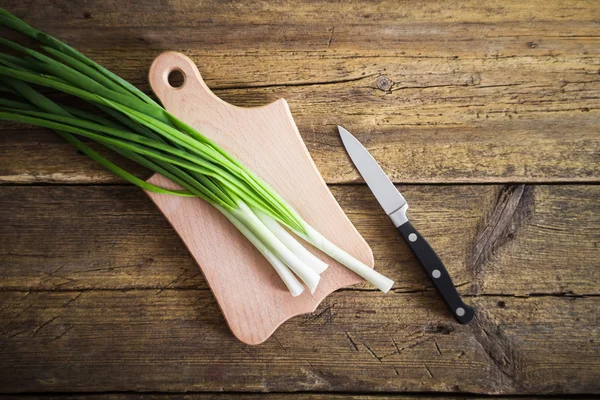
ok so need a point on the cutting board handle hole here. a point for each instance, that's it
(176, 78)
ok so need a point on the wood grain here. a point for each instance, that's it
(273, 396)
(356, 341)
(98, 294)
(141, 321)
(437, 93)
(112, 237)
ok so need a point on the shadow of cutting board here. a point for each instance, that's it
(251, 295)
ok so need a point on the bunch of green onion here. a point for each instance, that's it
(127, 121)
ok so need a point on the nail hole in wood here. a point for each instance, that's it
(176, 79)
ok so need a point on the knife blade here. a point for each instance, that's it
(395, 206)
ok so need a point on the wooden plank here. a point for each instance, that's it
(176, 340)
(472, 126)
(113, 237)
(435, 94)
(539, 226)
(274, 396)
(493, 239)
(415, 27)
(98, 294)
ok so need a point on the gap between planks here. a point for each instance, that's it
(429, 289)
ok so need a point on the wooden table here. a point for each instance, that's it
(487, 115)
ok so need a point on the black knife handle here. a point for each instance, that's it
(437, 272)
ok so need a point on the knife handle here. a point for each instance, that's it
(437, 272)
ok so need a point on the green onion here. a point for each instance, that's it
(127, 121)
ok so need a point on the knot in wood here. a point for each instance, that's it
(384, 83)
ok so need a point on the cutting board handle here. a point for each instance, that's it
(169, 62)
(251, 295)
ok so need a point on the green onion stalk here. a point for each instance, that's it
(127, 121)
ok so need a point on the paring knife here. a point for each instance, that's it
(395, 206)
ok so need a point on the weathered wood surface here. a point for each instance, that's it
(461, 93)
(98, 294)
(177, 340)
(515, 240)
(87, 301)
(274, 396)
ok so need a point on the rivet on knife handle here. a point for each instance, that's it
(437, 272)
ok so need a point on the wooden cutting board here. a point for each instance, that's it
(251, 295)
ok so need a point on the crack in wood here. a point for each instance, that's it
(63, 333)
(107, 269)
(14, 303)
(396, 346)
(39, 328)
(191, 277)
(159, 291)
(500, 350)
(319, 379)
(429, 371)
(437, 346)
(245, 350)
(536, 294)
(513, 206)
(201, 290)
(279, 343)
(294, 84)
(462, 284)
(372, 352)
(53, 274)
(326, 312)
(394, 89)
(351, 341)
(66, 303)
(12, 335)
(15, 317)
(499, 85)
(40, 255)
(332, 30)
(420, 339)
